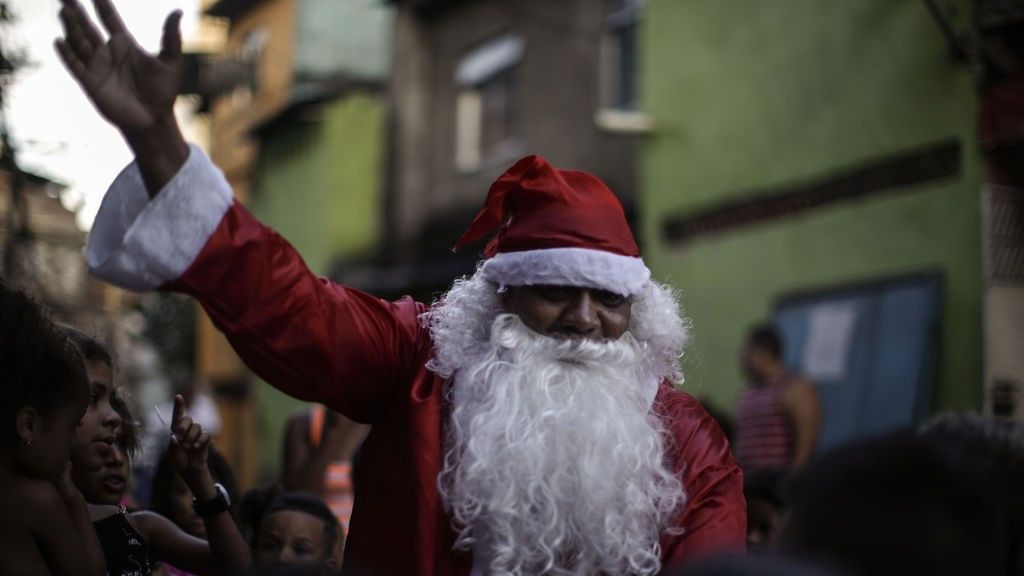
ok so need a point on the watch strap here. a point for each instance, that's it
(216, 505)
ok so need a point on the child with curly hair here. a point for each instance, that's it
(43, 396)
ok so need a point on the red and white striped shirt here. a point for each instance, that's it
(764, 432)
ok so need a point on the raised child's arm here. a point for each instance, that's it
(226, 552)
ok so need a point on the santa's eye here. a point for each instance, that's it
(554, 293)
(609, 299)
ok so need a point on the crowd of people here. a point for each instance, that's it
(527, 422)
(942, 499)
(68, 455)
(939, 499)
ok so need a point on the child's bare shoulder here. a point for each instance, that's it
(28, 502)
(24, 507)
(33, 494)
(30, 491)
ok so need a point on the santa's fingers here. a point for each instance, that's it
(74, 36)
(170, 42)
(85, 23)
(71, 62)
(110, 17)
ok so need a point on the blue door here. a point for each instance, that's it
(870, 351)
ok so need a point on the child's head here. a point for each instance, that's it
(44, 392)
(897, 505)
(95, 436)
(109, 484)
(296, 529)
(171, 497)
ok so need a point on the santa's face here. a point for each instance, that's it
(554, 462)
(570, 312)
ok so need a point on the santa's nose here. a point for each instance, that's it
(580, 318)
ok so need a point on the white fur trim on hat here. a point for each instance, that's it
(141, 244)
(579, 267)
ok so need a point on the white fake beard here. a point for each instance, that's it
(555, 463)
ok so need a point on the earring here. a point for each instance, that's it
(29, 441)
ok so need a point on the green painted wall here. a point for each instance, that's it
(319, 184)
(750, 96)
(351, 37)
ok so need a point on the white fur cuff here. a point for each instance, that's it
(579, 267)
(141, 244)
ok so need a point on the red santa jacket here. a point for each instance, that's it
(366, 358)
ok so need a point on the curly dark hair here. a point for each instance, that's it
(130, 439)
(894, 505)
(992, 448)
(89, 347)
(40, 366)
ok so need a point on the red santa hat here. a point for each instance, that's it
(557, 228)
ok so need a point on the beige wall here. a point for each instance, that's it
(1004, 338)
(233, 115)
(231, 148)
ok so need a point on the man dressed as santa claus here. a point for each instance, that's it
(524, 424)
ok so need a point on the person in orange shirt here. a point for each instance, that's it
(319, 447)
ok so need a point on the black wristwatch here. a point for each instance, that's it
(219, 503)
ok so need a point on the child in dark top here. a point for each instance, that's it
(45, 527)
(170, 496)
(132, 540)
(294, 529)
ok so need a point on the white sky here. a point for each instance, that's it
(57, 131)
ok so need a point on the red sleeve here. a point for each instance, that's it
(714, 518)
(304, 335)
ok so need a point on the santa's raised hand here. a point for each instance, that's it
(131, 88)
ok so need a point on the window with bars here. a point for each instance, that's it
(1005, 207)
(619, 54)
(487, 105)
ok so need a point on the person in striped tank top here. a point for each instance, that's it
(778, 417)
